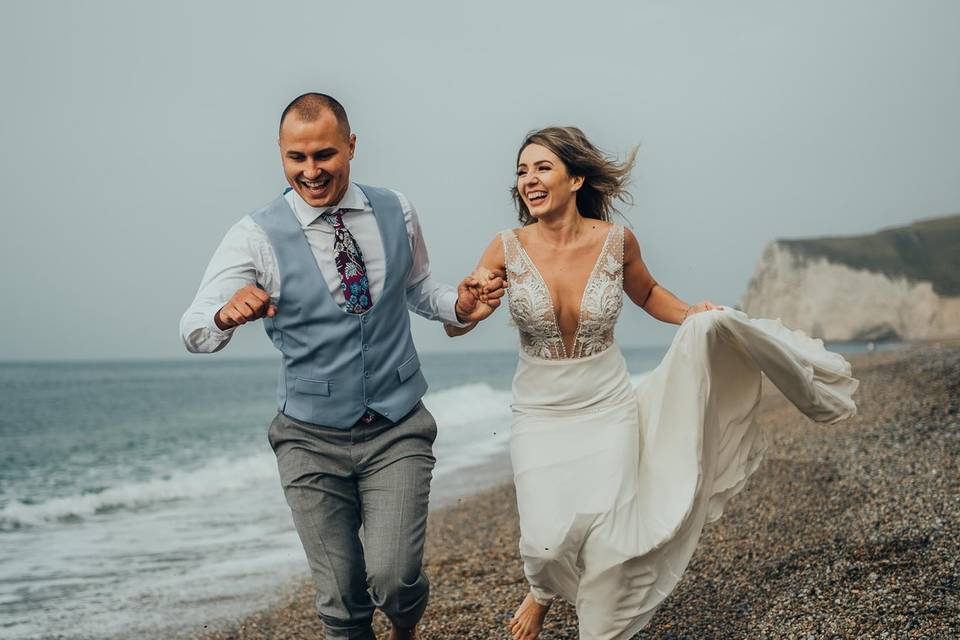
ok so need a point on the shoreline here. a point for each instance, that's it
(849, 530)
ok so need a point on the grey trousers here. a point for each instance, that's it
(375, 475)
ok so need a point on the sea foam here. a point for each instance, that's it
(467, 404)
(472, 420)
(218, 476)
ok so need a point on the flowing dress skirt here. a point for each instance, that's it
(615, 483)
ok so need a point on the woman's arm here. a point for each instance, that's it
(492, 260)
(646, 293)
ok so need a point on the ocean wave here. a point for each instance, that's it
(467, 404)
(473, 422)
(462, 413)
(219, 476)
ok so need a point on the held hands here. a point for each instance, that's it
(478, 295)
(247, 304)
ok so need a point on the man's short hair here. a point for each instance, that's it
(309, 106)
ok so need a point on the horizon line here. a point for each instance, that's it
(223, 358)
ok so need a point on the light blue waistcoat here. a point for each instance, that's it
(336, 365)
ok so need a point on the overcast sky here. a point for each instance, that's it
(133, 134)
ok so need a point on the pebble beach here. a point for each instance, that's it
(846, 531)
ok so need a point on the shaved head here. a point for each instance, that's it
(310, 106)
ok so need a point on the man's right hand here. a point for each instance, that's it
(248, 303)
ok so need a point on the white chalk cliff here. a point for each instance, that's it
(901, 283)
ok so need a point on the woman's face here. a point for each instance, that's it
(543, 181)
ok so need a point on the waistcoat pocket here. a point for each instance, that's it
(409, 367)
(312, 387)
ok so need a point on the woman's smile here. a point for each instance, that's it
(536, 197)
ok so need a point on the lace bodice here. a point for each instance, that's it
(531, 306)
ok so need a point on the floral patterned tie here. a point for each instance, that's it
(349, 259)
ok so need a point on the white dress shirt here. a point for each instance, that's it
(245, 256)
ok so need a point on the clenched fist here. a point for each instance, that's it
(248, 303)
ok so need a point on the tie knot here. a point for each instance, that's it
(333, 218)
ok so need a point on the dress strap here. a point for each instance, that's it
(616, 243)
(511, 250)
(511, 256)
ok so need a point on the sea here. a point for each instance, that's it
(141, 499)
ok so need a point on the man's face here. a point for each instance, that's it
(316, 158)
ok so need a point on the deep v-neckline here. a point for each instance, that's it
(583, 293)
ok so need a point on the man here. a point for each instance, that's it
(332, 267)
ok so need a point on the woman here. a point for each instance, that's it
(615, 483)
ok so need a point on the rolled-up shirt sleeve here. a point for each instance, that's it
(232, 267)
(426, 296)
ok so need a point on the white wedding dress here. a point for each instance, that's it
(614, 483)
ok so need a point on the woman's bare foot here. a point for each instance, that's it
(528, 620)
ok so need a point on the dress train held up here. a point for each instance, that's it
(615, 483)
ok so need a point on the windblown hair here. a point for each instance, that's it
(605, 179)
(309, 106)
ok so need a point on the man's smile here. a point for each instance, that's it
(315, 188)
